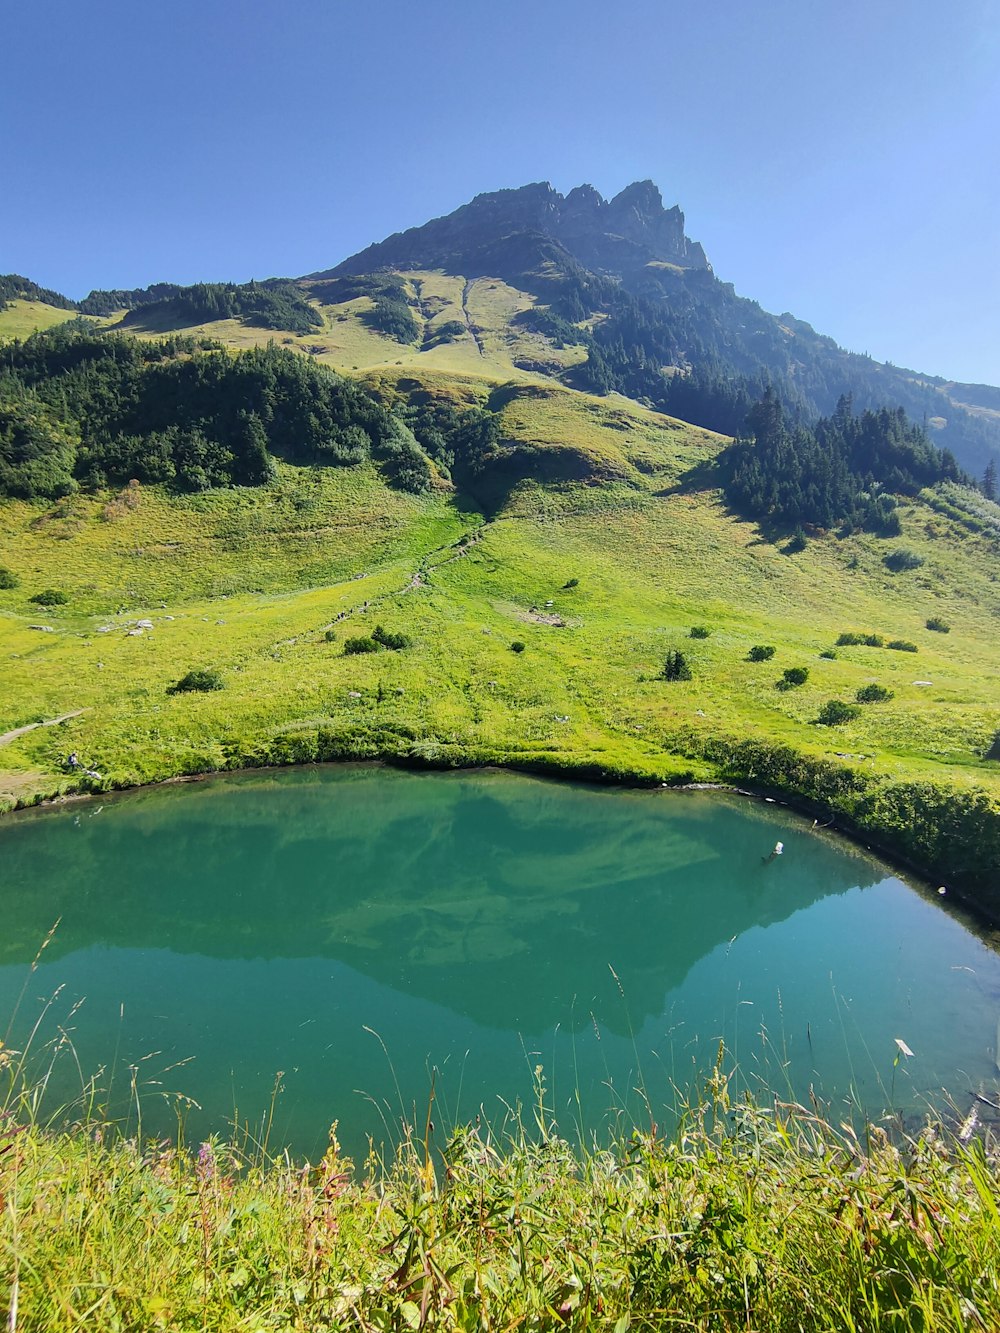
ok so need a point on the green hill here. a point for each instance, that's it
(545, 548)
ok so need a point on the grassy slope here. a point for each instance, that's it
(650, 565)
(653, 553)
(21, 318)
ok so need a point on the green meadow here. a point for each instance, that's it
(538, 617)
(599, 573)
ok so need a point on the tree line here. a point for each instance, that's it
(77, 409)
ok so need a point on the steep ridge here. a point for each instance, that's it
(629, 261)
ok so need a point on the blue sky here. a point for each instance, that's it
(841, 161)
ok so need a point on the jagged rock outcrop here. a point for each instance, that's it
(621, 234)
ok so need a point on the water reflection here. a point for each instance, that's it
(265, 921)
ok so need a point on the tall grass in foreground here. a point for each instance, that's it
(748, 1217)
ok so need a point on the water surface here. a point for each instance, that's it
(355, 928)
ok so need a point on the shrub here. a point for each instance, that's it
(572, 583)
(8, 579)
(935, 623)
(760, 652)
(517, 646)
(203, 679)
(873, 694)
(675, 667)
(850, 639)
(391, 639)
(50, 597)
(793, 676)
(361, 644)
(795, 543)
(835, 711)
(902, 645)
(330, 636)
(828, 653)
(700, 632)
(994, 751)
(902, 559)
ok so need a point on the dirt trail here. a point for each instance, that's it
(9, 736)
(468, 318)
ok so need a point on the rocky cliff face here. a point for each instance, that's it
(621, 234)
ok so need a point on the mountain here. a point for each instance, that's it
(657, 308)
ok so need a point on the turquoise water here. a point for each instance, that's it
(357, 929)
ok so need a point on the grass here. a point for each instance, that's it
(21, 318)
(746, 1217)
(248, 583)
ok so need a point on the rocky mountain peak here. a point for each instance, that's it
(621, 235)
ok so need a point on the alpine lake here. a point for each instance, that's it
(261, 954)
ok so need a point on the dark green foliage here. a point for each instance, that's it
(850, 639)
(391, 639)
(8, 579)
(829, 654)
(874, 694)
(760, 652)
(37, 450)
(447, 332)
(902, 559)
(361, 644)
(845, 470)
(461, 442)
(517, 646)
(835, 711)
(330, 636)
(795, 543)
(792, 677)
(274, 304)
(675, 667)
(938, 625)
(988, 486)
(135, 298)
(390, 313)
(50, 597)
(994, 751)
(201, 679)
(75, 406)
(13, 287)
(902, 645)
(700, 632)
(571, 583)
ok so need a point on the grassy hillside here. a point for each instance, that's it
(599, 572)
(19, 319)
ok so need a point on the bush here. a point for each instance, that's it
(902, 559)
(795, 543)
(760, 652)
(361, 644)
(902, 645)
(699, 632)
(572, 583)
(675, 667)
(390, 639)
(850, 639)
(829, 654)
(793, 676)
(8, 579)
(517, 646)
(835, 711)
(873, 694)
(935, 623)
(203, 679)
(50, 597)
(330, 636)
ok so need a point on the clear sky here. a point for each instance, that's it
(840, 160)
